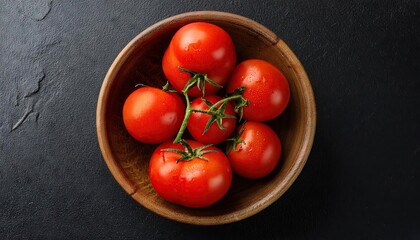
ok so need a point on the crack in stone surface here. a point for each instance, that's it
(43, 15)
(28, 89)
(22, 119)
(37, 87)
(36, 10)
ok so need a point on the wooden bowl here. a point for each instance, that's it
(140, 61)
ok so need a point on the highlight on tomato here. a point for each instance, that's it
(152, 115)
(266, 89)
(190, 174)
(202, 51)
(256, 150)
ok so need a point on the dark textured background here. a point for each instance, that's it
(362, 179)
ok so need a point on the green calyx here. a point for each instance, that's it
(217, 110)
(190, 153)
(216, 114)
(199, 80)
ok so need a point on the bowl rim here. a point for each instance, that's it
(309, 115)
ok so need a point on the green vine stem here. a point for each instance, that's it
(198, 79)
(190, 153)
(216, 113)
(235, 140)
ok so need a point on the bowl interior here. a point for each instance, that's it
(140, 62)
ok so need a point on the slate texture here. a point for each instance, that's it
(362, 179)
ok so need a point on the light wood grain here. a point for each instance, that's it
(140, 61)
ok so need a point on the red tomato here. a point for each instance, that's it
(200, 47)
(198, 121)
(153, 116)
(266, 88)
(258, 154)
(193, 183)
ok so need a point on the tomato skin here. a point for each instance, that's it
(200, 47)
(195, 183)
(266, 88)
(259, 155)
(198, 121)
(153, 116)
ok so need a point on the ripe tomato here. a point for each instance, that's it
(258, 154)
(200, 47)
(198, 122)
(192, 183)
(266, 88)
(153, 116)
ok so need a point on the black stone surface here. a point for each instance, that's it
(362, 179)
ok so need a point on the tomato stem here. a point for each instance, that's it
(188, 112)
(225, 100)
(166, 88)
(191, 83)
(199, 79)
(140, 85)
(217, 115)
(190, 153)
(216, 111)
(236, 140)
